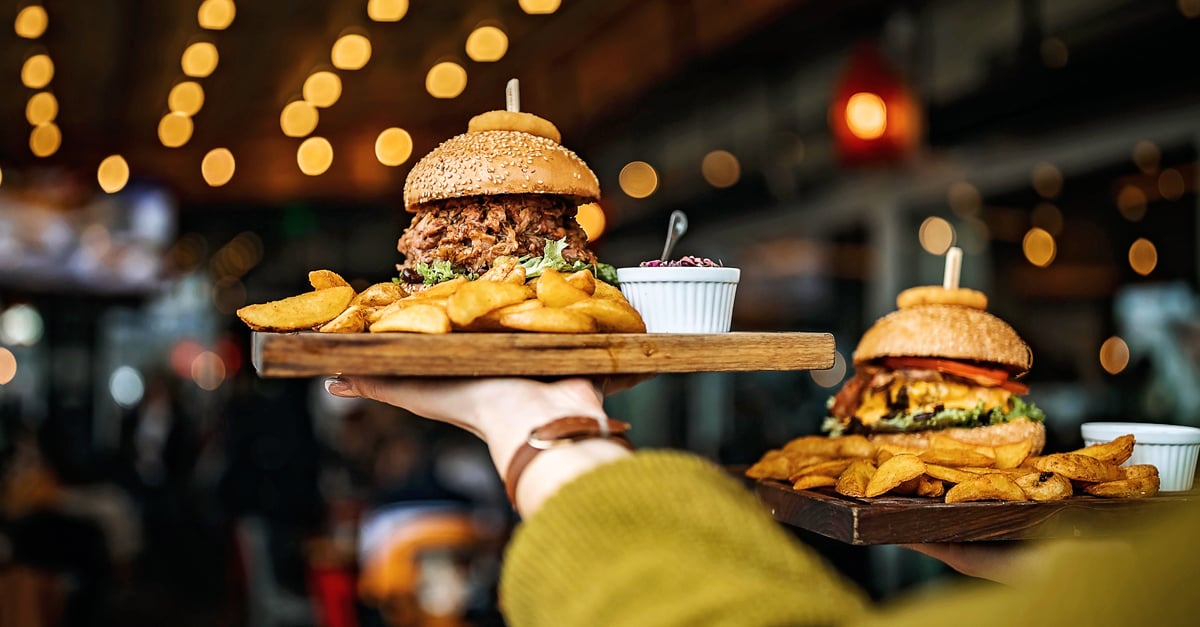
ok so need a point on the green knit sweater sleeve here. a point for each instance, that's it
(664, 538)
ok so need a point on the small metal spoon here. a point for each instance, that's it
(675, 230)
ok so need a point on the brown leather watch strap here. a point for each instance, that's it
(560, 432)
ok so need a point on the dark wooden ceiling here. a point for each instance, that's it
(116, 61)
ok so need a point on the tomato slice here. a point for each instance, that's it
(994, 377)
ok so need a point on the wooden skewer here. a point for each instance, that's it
(953, 268)
(512, 95)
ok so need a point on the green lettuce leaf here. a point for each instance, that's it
(947, 418)
(551, 257)
(440, 272)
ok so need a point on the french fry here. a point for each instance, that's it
(611, 316)
(583, 281)
(990, 487)
(813, 481)
(295, 313)
(554, 291)
(548, 320)
(893, 472)
(477, 298)
(1011, 455)
(380, 294)
(1117, 452)
(857, 476)
(1140, 487)
(351, 320)
(1045, 486)
(1079, 467)
(416, 318)
(324, 279)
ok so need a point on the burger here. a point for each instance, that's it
(943, 364)
(507, 187)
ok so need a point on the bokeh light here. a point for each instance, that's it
(216, 14)
(720, 168)
(1048, 217)
(1039, 247)
(866, 115)
(1189, 8)
(393, 146)
(314, 156)
(208, 371)
(126, 386)
(45, 139)
(174, 130)
(298, 119)
(21, 325)
(638, 179)
(1047, 180)
(31, 22)
(1143, 256)
(322, 89)
(199, 59)
(229, 294)
(8, 366)
(446, 80)
(217, 167)
(964, 199)
(351, 52)
(113, 174)
(186, 97)
(1171, 184)
(539, 7)
(1131, 202)
(936, 235)
(1146, 156)
(834, 375)
(1114, 355)
(486, 44)
(41, 108)
(37, 72)
(387, 10)
(590, 217)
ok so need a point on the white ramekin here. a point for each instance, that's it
(681, 300)
(1171, 448)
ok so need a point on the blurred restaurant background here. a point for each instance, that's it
(165, 162)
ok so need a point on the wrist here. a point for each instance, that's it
(554, 468)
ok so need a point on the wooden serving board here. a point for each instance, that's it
(909, 520)
(309, 354)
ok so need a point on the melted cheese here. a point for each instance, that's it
(925, 396)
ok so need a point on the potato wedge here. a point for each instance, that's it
(554, 291)
(611, 316)
(956, 457)
(990, 487)
(477, 298)
(490, 322)
(500, 268)
(1079, 467)
(893, 472)
(855, 446)
(930, 487)
(818, 445)
(772, 465)
(441, 290)
(951, 475)
(813, 481)
(1138, 488)
(548, 320)
(830, 468)
(582, 280)
(1117, 451)
(380, 295)
(1045, 486)
(416, 318)
(295, 313)
(1139, 470)
(857, 476)
(608, 292)
(352, 320)
(1012, 455)
(325, 279)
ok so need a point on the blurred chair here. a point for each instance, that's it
(268, 604)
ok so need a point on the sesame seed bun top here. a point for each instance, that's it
(487, 163)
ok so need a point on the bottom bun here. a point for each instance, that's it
(991, 435)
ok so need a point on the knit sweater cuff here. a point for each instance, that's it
(663, 538)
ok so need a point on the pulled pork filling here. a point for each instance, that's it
(879, 400)
(471, 232)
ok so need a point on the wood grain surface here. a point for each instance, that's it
(309, 354)
(907, 520)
